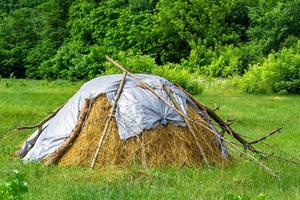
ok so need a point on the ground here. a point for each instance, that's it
(28, 101)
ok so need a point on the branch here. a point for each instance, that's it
(40, 124)
(58, 153)
(265, 137)
(110, 116)
(210, 112)
(166, 88)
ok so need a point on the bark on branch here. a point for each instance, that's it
(40, 130)
(58, 153)
(40, 124)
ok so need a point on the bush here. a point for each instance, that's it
(145, 64)
(183, 77)
(226, 63)
(136, 63)
(280, 72)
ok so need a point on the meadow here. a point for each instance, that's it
(28, 101)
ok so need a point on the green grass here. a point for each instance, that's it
(28, 101)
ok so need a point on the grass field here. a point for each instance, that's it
(28, 101)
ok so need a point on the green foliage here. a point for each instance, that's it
(180, 76)
(68, 39)
(146, 64)
(51, 33)
(272, 23)
(280, 72)
(14, 186)
(16, 39)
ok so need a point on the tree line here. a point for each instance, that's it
(255, 40)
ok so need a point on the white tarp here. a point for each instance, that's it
(137, 109)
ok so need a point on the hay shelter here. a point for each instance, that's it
(128, 119)
(143, 128)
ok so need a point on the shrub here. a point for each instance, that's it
(135, 63)
(226, 63)
(183, 77)
(146, 64)
(280, 72)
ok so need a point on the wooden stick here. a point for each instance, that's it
(40, 130)
(40, 124)
(202, 107)
(144, 163)
(187, 123)
(110, 116)
(230, 122)
(265, 137)
(58, 153)
(252, 159)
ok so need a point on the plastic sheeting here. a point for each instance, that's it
(137, 109)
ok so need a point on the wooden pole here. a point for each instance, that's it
(110, 115)
(144, 163)
(221, 123)
(187, 123)
(58, 153)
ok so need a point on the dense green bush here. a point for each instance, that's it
(17, 39)
(280, 72)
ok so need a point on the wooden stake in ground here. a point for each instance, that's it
(56, 155)
(110, 116)
(40, 129)
(166, 88)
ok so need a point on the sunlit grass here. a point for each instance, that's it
(28, 101)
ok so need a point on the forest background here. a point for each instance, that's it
(252, 44)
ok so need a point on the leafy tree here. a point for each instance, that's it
(51, 32)
(17, 38)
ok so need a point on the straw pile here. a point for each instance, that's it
(164, 145)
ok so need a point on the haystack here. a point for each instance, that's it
(163, 145)
(130, 119)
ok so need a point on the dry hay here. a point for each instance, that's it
(164, 145)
